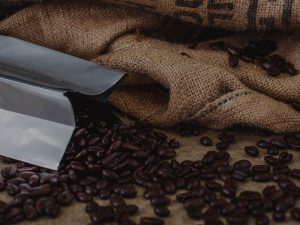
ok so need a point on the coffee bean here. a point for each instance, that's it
(41, 190)
(261, 169)
(206, 141)
(9, 172)
(2, 184)
(151, 221)
(34, 180)
(180, 182)
(292, 141)
(64, 198)
(295, 214)
(252, 151)
(234, 51)
(262, 220)
(279, 216)
(12, 189)
(96, 217)
(271, 160)
(214, 186)
(117, 201)
(110, 175)
(149, 194)
(160, 201)
(239, 175)
(261, 177)
(169, 187)
(105, 193)
(193, 203)
(222, 145)
(269, 190)
(30, 212)
(128, 191)
(263, 144)
(219, 45)
(242, 164)
(127, 209)
(83, 197)
(161, 211)
(273, 150)
(285, 157)
(233, 61)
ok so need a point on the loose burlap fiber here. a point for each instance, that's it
(201, 84)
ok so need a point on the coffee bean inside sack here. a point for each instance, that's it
(261, 53)
(117, 170)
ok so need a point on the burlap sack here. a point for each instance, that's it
(201, 84)
(228, 14)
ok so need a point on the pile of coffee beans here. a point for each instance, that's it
(259, 52)
(109, 161)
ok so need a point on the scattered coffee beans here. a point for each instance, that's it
(260, 52)
(109, 162)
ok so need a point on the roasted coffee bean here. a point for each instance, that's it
(271, 160)
(110, 174)
(12, 189)
(273, 150)
(169, 187)
(127, 209)
(41, 190)
(160, 201)
(9, 172)
(228, 192)
(279, 216)
(128, 191)
(206, 141)
(219, 45)
(292, 141)
(157, 192)
(222, 145)
(263, 144)
(105, 193)
(285, 157)
(261, 177)
(34, 180)
(261, 169)
(151, 221)
(262, 220)
(239, 175)
(269, 190)
(295, 173)
(290, 69)
(214, 186)
(64, 198)
(180, 182)
(252, 151)
(242, 164)
(83, 197)
(193, 203)
(234, 51)
(250, 195)
(52, 209)
(30, 212)
(209, 157)
(2, 184)
(295, 214)
(193, 183)
(117, 201)
(237, 218)
(233, 61)
(96, 217)
(161, 211)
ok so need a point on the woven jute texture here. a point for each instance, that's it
(201, 84)
(228, 14)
